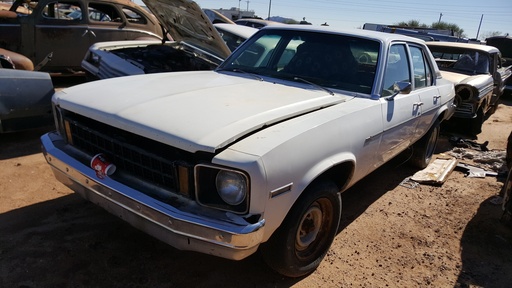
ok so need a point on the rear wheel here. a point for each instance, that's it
(301, 242)
(425, 147)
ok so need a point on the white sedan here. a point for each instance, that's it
(256, 154)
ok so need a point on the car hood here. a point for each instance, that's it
(194, 111)
(474, 80)
(186, 23)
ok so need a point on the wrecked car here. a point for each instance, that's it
(507, 186)
(55, 35)
(504, 44)
(479, 77)
(197, 45)
(25, 95)
(255, 154)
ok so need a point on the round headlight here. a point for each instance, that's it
(231, 186)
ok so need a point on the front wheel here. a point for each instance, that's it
(425, 147)
(475, 124)
(298, 246)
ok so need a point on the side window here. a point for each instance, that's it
(397, 69)
(232, 40)
(422, 70)
(99, 12)
(64, 10)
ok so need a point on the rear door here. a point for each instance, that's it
(106, 23)
(61, 31)
(423, 85)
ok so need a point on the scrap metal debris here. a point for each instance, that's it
(465, 143)
(484, 162)
(474, 171)
(408, 183)
(436, 172)
(492, 160)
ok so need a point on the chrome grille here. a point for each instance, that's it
(464, 110)
(137, 161)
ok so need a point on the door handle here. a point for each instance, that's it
(418, 104)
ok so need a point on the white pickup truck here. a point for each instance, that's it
(256, 154)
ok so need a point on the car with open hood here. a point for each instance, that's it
(55, 34)
(256, 153)
(196, 44)
(479, 77)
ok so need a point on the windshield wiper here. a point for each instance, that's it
(314, 84)
(237, 70)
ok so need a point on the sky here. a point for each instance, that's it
(467, 14)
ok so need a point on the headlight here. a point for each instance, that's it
(93, 58)
(231, 186)
(222, 188)
(464, 92)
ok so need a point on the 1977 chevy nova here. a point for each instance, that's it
(255, 154)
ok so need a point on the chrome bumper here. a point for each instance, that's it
(182, 230)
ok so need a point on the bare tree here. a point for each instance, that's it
(488, 34)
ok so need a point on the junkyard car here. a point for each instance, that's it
(479, 77)
(507, 186)
(504, 44)
(55, 35)
(25, 95)
(256, 153)
(197, 45)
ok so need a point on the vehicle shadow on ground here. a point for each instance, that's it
(486, 249)
(69, 242)
(368, 190)
(23, 143)
(73, 243)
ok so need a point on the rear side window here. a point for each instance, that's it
(133, 16)
(99, 12)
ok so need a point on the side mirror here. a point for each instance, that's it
(400, 87)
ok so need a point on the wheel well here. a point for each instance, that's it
(339, 174)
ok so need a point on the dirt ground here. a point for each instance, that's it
(392, 235)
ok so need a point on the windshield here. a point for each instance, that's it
(461, 60)
(328, 60)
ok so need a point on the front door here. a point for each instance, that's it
(401, 112)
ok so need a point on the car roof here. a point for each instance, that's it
(375, 35)
(470, 46)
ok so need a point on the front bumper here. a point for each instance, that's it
(182, 230)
